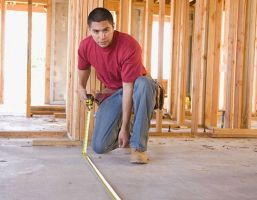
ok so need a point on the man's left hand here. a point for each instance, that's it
(123, 138)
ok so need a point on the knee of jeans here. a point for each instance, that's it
(143, 84)
(141, 80)
(98, 148)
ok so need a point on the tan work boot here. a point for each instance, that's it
(138, 157)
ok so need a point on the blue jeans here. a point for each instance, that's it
(109, 117)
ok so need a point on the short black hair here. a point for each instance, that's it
(100, 14)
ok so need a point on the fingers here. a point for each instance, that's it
(83, 94)
(120, 141)
(123, 139)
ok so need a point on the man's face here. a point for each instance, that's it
(102, 33)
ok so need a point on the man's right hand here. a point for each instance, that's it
(82, 94)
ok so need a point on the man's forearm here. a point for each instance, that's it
(83, 78)
(126, 105)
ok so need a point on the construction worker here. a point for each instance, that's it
(117, 60)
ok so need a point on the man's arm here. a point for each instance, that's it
(126, 113)
(83, 78)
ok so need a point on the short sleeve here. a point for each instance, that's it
(83, 62)
(132, 65)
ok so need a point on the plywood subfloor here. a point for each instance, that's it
(52, 173)
(182, 169)
(179, 169)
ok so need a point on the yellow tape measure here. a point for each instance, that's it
(108, 187)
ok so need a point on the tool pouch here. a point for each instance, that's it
(159, 96)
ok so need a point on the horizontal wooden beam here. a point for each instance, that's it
(171, 126)
(234, 130)
(47, 110)
(184, 133)
(56, 142)
(210, 133)
(41, 112)
(26, 2)
(234, 133)
(60, 108)
(60, 115)
(33, 134)
(24, 7)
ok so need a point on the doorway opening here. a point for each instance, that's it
(15, 65)
(47, 70)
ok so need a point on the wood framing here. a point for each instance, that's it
(28, 100)
(148, 35)
(73, 103)
(77, 30)
(70, 71)
(248, 63)
(43, 2)
(47, 109)
(114, 5)
(234, 133)
(216, 66)
(172, 22)
(138, 23)
(231, 34)
(239, 64)
(179, 59)
(156, 9)
(48, 51)
(240, 34)
(198, 59)
(94, 84)
(255, 67)
(33, 134)
(2, 37)
(22, 6)
(210, 60)
(75, 99)
(125, 20)
(55, 142)
(183, 60)
(175, 59)
(160, 58)
(213, 62)
(204, 34)
(254, 99)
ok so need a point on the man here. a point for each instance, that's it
(117, 60)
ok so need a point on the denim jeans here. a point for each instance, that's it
(109, 117)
